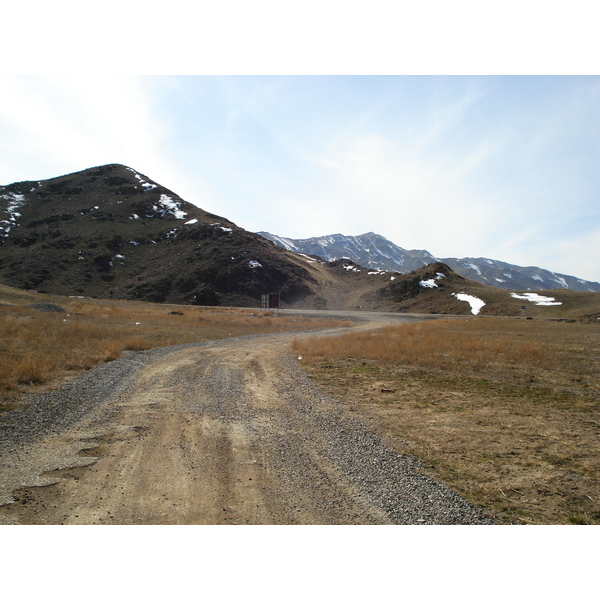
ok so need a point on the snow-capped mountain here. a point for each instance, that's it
(513, 277)
(376, 252)
(369, 250)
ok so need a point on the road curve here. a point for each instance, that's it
(227, 432)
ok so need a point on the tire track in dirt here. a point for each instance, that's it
(222, 433)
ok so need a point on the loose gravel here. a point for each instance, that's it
(319, 452)
(380, 476)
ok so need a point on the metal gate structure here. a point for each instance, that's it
(270, 302)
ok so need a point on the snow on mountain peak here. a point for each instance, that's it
(376, 252)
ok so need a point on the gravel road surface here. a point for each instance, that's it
(226, 432)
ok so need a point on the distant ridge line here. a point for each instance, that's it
(374, 251)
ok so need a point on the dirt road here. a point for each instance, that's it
(228, 432)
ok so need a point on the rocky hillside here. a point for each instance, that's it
(376, 252)
(110, 231)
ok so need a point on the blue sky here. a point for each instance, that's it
(499, 166)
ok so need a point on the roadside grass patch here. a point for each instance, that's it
(40, 348)
(505, 411)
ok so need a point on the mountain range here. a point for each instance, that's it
(376, 252)
(112, 232)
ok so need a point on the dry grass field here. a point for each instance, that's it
(506, 411)
(38, 349)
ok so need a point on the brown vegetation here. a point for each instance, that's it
(506, 411)
(38, 348)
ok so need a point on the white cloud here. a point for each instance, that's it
(415, 201)
(445, 114)
(56, 125)
(575, 256)
(78, 123)
(483, 153)
(63, 124)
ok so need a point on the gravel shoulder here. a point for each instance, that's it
(226, 432)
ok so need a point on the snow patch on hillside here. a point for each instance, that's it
(307, 258)
(284, 242)
(170, 207)
(428, 283)
(431, 283)
(537, 299)
(476, 303)
(147, 186)
(474, 267)
(560, 280)
(14, 202)
(219, 226)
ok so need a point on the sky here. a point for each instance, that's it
(503, 165)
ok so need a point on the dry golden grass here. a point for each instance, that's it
(469, 343)
(505, 411)
(35, 347)
(38, 348)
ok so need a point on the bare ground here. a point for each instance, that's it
(227, 432)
